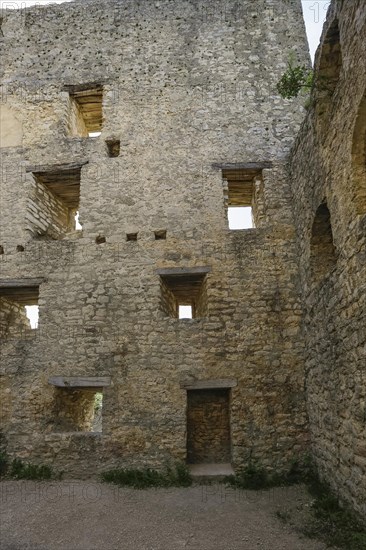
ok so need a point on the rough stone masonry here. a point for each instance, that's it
(154, 121)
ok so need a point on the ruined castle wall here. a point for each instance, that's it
(186, 88)
(325, 168)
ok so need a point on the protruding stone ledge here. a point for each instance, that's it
(51, 168)
(209, 384)
(242, 165)
(21, 283)
(80, 381)
(184, 270)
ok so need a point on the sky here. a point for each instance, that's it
(314, 15)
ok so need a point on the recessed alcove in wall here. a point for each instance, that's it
(113, 147)
(322, 250)
(54, 201)
(85, 110)
(359, 158)
(208, 426)
(78, 403)
(160, 235)
(184, 288)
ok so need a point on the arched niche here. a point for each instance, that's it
(328, 74)
(322, 251)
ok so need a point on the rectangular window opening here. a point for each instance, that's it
(184, 292)
(85, 110)
(18, 308)
(244, 197)
(53, 206)
(78, 410)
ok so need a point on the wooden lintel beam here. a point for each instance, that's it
(209, 384)
(184, 270)
(80, 381)
(242, 165)
(56, 167)
(21, 283)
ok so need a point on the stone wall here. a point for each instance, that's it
(328, 172)
(188, 88)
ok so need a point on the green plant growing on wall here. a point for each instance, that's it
(295, 79)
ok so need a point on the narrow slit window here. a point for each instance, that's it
(33, 315)
(78, 225)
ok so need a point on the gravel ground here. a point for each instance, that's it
(92, 516)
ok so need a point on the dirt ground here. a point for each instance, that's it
(92, 516)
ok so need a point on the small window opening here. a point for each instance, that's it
(160, 235)
(113, 147)
(185, 312)
(78, 410)
(131, 236)
(100, 239)
(1, 249)
(32, 314)
(184, 295)
(322, 251)
(20, 248)
(18, 308)
(86, 110)
(244, 197)
(53, 206)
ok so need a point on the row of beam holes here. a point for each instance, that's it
(159, 236)
(19, 248)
